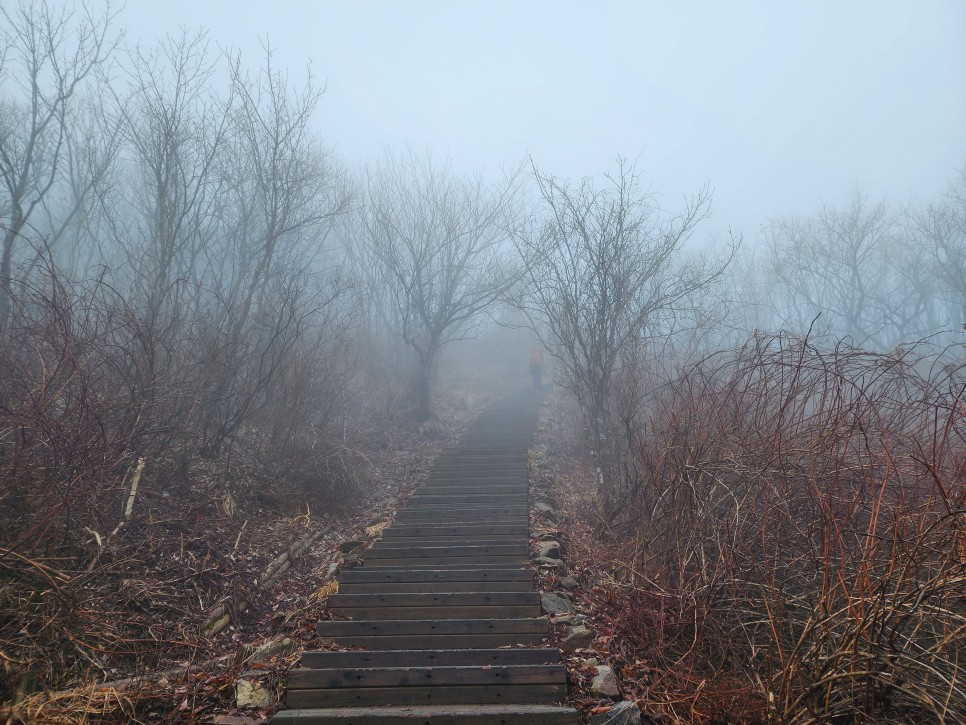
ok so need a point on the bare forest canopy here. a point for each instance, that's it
(198, 297)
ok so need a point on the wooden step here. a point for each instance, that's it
(441, 537)
(426, 685)
(505, 714)
(482, 508)
(430, 530)
(436, 586)
(504, 498)
(423, 518)
(449, 488)
(385, 550)
(426, 695)
(479, 471)
(431, 658)
(440, 606)
(474, 513)
(435, 634)
(470, 477)
(427, 566)
(439, 676)
(451, 561)
(451, 599)
(336, 628)
(370, 575)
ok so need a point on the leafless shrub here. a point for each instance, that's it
(796, 520)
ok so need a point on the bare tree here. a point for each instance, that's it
(850, 264)
(437, 245)
(940, 233)
(281, 191)
(174, 128)
(604, 274)
(286, 186)
(48, 53)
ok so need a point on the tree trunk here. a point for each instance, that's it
(423, 407)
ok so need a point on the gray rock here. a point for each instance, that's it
(554, 603)
(590, 662)
(623, 713)
(333, 569)
(346, 546)
(567, 582)
(543, 509)
(571, 619)
(578, 637)
(274, 648)
(550, 537)
(549, 499)
(250, 691)
(548, 550)
(605, 683)
(559, 568)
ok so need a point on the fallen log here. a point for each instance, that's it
(222, 614)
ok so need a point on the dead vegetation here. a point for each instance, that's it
(122, 534)
(790, 546)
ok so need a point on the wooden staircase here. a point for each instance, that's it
(444, 605)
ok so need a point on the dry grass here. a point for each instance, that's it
(792, 538)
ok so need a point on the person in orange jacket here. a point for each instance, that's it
(536, 366)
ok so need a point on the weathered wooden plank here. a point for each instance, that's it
(439, 641)
(403, 531)
(428, 566)
(440, 612)
(441, 537)
(459, 472)
(467, 540)
(434, 586)
(504, 714)
(481, 511)
(437, 676)
(466, 694)
(370, 575)
(419, 518)
(384, 550)
(474, 477)
(459, 489)
(449, 599)
(438, 561)
(335, 628)
(516, 468)
(431, 658)
(464, 513)
(504, 498)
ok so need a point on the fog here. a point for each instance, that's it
(260, 264)
(777, 105)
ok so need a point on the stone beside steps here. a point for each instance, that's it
(445, 605)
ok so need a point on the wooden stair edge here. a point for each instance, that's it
(434, 714)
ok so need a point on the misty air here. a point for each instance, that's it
(536, 363)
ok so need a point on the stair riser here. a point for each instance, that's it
(465, 695)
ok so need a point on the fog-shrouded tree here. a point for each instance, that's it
(49, 52)
(271, 288)
(605, 275)
(851, 265)
(939, 232)
(434, 246)
(175, 126)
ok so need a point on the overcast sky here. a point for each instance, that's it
(779, 105)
